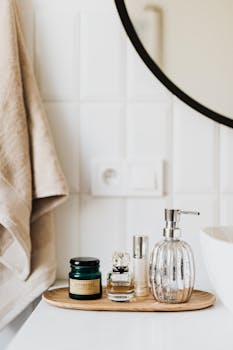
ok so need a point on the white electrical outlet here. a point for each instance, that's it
(127, 178)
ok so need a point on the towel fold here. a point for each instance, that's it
(31, 181)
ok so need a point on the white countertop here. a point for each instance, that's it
(51, 328)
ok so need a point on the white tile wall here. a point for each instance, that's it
(102, 101)
(102, 124)
(144, 138)
(67, 234)
(102, 223)
(102, 46)
(208, 207)
(106, 103)
(226, 205)
(145, 216)
(64, 123)
(140, 83)
(226, 163)
(56, 53)
(149, 134)
(195, 147)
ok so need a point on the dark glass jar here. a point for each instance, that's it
(85, 279)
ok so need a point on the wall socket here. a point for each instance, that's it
(127, 178)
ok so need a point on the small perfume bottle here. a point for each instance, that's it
(140, 265)
(172, 271)
(120, 283)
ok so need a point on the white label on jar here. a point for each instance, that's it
(84, 287)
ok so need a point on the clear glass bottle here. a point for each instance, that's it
(120, 283)
(172, 271)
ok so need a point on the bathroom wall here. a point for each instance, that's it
(102, 101)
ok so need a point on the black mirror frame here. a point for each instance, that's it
(154, 68)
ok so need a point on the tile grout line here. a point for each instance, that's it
(125, 140)
(77, 46)
(101, 99)
(218, 173)
(171, 154)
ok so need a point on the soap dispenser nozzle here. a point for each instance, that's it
(189, 212)
(172, 218)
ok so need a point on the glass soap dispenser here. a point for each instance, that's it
(172, 270)
(120, 283)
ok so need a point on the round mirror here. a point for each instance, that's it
(188, 46)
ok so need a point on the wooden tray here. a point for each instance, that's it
(59, 297)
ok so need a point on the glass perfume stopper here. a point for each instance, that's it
(120, 262)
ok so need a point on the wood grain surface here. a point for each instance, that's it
(59, 297)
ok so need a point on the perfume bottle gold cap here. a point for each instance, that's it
(140, 246)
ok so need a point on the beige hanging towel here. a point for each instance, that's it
(31, 181)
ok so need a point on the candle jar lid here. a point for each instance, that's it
(84, 261)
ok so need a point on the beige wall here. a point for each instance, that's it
(197, 47)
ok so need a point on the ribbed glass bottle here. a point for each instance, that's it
(172, 271)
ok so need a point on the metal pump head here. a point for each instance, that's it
(172, 218)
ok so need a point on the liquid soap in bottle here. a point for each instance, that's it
(172, 270)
